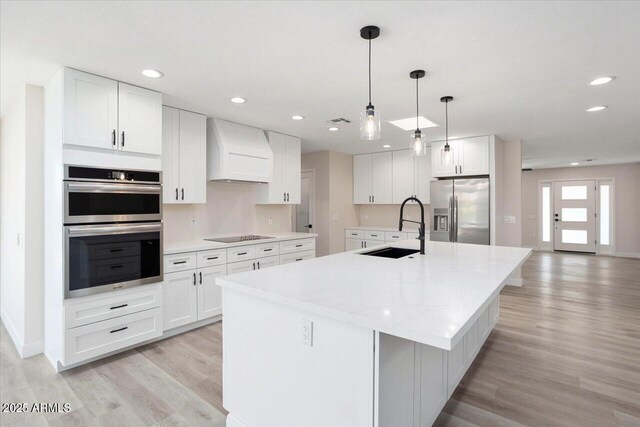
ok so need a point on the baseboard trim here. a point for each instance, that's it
(15, 337)
(628, 254)
(32, 349)
(233, 421)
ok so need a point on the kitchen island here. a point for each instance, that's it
(357, 340)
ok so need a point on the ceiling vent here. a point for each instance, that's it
(338, 120)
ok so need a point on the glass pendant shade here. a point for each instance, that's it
(418, 144)
(370, 124)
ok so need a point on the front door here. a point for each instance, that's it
(574, 215)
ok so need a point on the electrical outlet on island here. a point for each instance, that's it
(306, 330)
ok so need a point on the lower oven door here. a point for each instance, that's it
(101, 258)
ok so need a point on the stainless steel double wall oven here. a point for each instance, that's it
(112, 229)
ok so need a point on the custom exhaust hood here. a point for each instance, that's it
(237, 152)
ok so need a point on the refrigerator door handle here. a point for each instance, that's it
(451, 218)
(455, 217)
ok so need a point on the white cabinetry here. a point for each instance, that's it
(360, 239)
(184, 161)
(411, 176)
(372, 178)
(285, 185)
(466, 157)
(190, 292)
(103, 113)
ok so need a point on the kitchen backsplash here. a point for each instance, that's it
(388, 215)
(230, 209)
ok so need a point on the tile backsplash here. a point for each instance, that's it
(230, 209)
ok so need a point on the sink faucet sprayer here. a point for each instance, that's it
(421, 230)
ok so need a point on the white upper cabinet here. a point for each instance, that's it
(184, 157)
(444, 163)
(362, 179)
(473, 156)
(140, 119)
(285, 185)
(467, 157)
(372, 178)
(404, 179)
(103, 113)
(90, 110)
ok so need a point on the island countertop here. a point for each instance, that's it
(432, 299)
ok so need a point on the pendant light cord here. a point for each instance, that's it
(369, 68)
(446, 119)
(417, 119)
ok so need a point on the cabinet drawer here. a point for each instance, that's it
(267, 249)
(299, 256)
(354, 234)
(111, 305)
(241, 253)
(179, 262)
(211, 258)
(415, 236)
(241, 267)
(297, 246)
(392, 236)
(374, 235)
(96, 339)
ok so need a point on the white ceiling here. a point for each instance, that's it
(519, 70)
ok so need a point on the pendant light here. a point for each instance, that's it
(446, 100)
(418, 144)
(369, 120)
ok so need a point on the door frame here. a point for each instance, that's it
(600, 250)
(312, 202)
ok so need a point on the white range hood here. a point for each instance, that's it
(237, 152)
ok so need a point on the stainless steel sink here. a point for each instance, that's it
(394, 253)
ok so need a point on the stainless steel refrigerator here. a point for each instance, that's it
(460, 210)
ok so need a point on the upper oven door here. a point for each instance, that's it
(94, 202)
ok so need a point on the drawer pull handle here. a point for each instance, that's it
(116, 250)
(118, 306)
(241, 253)
(299, 259)
(354, 234)
(212, 257)
(179, 262)
(298, 246)
(374, 235)
(118, 330)
(268, 250)
(116, 266)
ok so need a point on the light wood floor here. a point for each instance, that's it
(566, 352)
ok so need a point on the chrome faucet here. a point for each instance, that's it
(421, 230)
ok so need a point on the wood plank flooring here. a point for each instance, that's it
(566, 352)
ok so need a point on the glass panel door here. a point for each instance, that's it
(574, 208)
(305, 211)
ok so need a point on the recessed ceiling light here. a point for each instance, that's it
(596, 108)
(154, 74)
(238, 100)
(575, 164)
(297, 117)
(386, 146)
(410, 123)
(333, 129)
(601, 80)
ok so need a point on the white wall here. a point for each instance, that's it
(511, 234)
(627, 201)
(230, 209)
(21, 221)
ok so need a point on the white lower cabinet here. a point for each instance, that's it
(181, 299)
(190, 292)
(96, 339)
(210, 294)
(361, 239)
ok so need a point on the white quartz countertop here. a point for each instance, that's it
(432, 299)
(203, 245)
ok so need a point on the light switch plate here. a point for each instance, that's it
(509, 219)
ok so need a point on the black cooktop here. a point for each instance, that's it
(236, 239)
